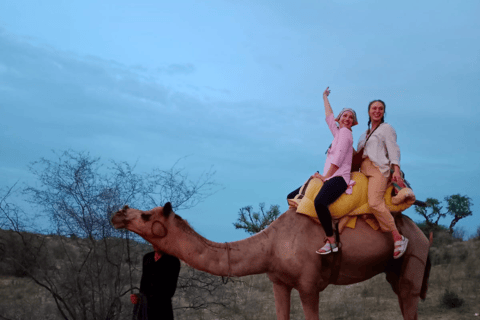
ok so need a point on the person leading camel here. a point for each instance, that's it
(336, 172)
(158, 284)
(381, 153)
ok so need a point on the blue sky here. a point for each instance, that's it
(238, 86)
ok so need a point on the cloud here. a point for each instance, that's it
(55, 99)
(176, 68)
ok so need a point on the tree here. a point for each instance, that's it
(174, 186)
(433, 217)
(24, 250)
(202, 291)
(10, 213)
(254, 222)
(457, 206)
(86, 266)
(87, 257)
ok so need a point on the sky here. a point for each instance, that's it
(237, 86)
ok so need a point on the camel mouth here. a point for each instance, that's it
(119, 219)
(118, 222)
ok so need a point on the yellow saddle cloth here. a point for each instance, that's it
(349, 207)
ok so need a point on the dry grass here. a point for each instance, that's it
(21, 298)
(455, 268)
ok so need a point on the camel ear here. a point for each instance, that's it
(167, 209)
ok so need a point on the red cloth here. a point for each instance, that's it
(134, 298)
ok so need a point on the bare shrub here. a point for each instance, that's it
(477, 234)
(459, 233)
(85, 265)
(450, 299)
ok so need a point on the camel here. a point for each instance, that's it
(285, 250)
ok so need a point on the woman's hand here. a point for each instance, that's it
(397, 177)
(326, 103)
(318, 176)
(326, 92)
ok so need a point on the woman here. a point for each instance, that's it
(336, 173)
(380, 154)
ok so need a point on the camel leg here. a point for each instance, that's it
(407, 284)
(407, 276)
(410, 286)
(310, 303)
(408, 293)
(282, 300)
(408, 305)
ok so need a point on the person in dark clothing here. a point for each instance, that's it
(158, 284)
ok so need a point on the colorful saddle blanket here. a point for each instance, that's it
(349, 207)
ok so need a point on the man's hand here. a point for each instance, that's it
(134, 298)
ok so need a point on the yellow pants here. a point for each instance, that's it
(377, 185)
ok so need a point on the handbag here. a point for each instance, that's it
(357, 160)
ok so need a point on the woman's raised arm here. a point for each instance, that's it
(328, 108)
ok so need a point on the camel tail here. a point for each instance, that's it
(426, 275)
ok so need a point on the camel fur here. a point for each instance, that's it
(286, 252)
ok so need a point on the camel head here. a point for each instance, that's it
(152, 225)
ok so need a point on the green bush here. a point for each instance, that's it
(368, 291)
(435, 228)
(443, 238)
(451, 300)
(441, 234)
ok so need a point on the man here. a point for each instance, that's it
(158, 285)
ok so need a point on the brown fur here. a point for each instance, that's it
(286, 252)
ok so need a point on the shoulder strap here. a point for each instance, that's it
(369, 135)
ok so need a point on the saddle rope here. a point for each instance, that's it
(228, 262)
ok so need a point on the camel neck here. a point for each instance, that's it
(237, 258)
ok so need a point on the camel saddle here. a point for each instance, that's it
(349, 207)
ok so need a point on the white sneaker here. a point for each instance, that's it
(401, 247)
(328, 248)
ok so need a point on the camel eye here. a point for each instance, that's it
(145, 217)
